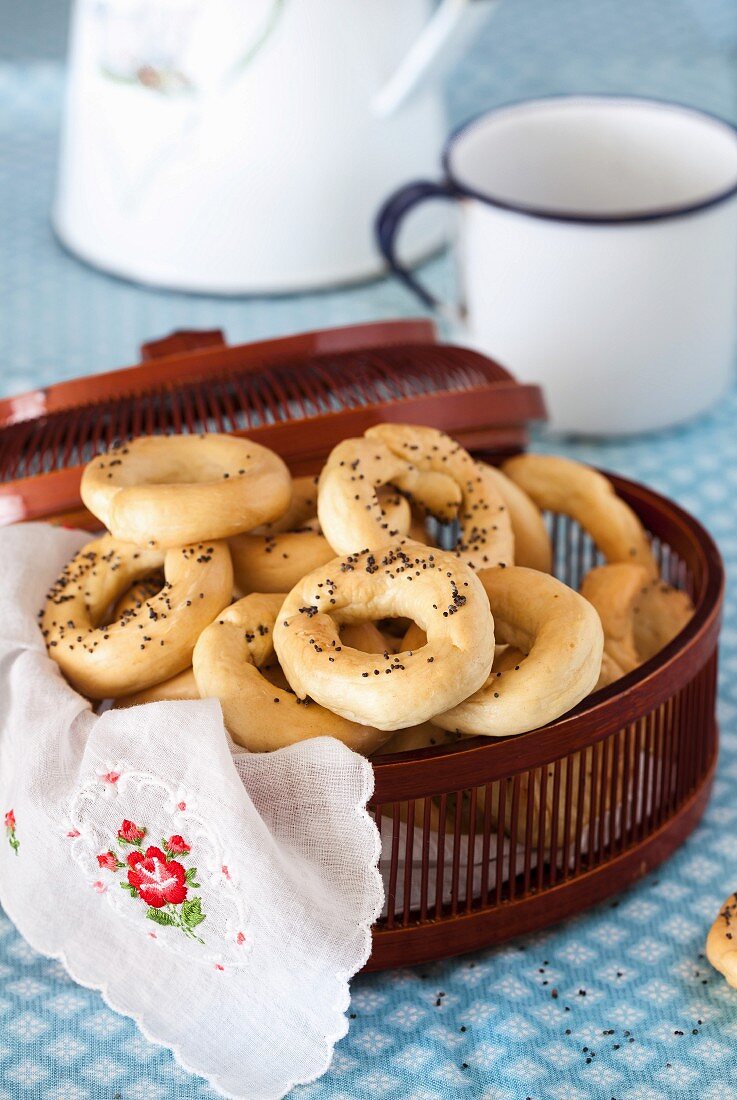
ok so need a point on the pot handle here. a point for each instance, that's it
(387, 226)
(454, 25)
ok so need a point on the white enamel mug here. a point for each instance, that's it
(597, 254)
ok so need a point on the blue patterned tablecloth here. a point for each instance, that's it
(655, 1020)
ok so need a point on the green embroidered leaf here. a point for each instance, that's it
(159, 917)
(191, 877)
(192, 914)
(130, 888)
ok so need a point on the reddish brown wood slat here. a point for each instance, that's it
(486, 845)
(408, 860)
(541, 825)
(391, 894)
(471, 849)
(440, 866)
(425, 869)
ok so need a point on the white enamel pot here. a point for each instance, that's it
(242, 146)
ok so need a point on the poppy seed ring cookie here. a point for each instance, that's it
(349, 505)
(146, 645)
(613, 590)
(576, 490)
(301, 511)
(388, 691)
(639, 616)
(532, 545)
(165, 491)
(275, 562)
(659, 614)
(562, 636)
(721, 943)
(486, 537)
(227, 665)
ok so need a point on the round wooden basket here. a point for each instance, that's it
(487, 839)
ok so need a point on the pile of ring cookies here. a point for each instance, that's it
(317, 606)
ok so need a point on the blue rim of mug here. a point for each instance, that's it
(544, 214)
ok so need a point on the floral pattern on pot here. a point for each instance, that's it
(151, 852)
(10, 831)
(153, 45)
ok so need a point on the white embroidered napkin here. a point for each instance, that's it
(222, 901)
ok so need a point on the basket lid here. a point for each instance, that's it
(299, 395)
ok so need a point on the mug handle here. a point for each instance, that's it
(387, 226)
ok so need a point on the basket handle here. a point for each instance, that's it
(182, 340)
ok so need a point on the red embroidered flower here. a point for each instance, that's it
(157, 880)
(131, 833)
(178, 845)
(10, 831)
(152, 876)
